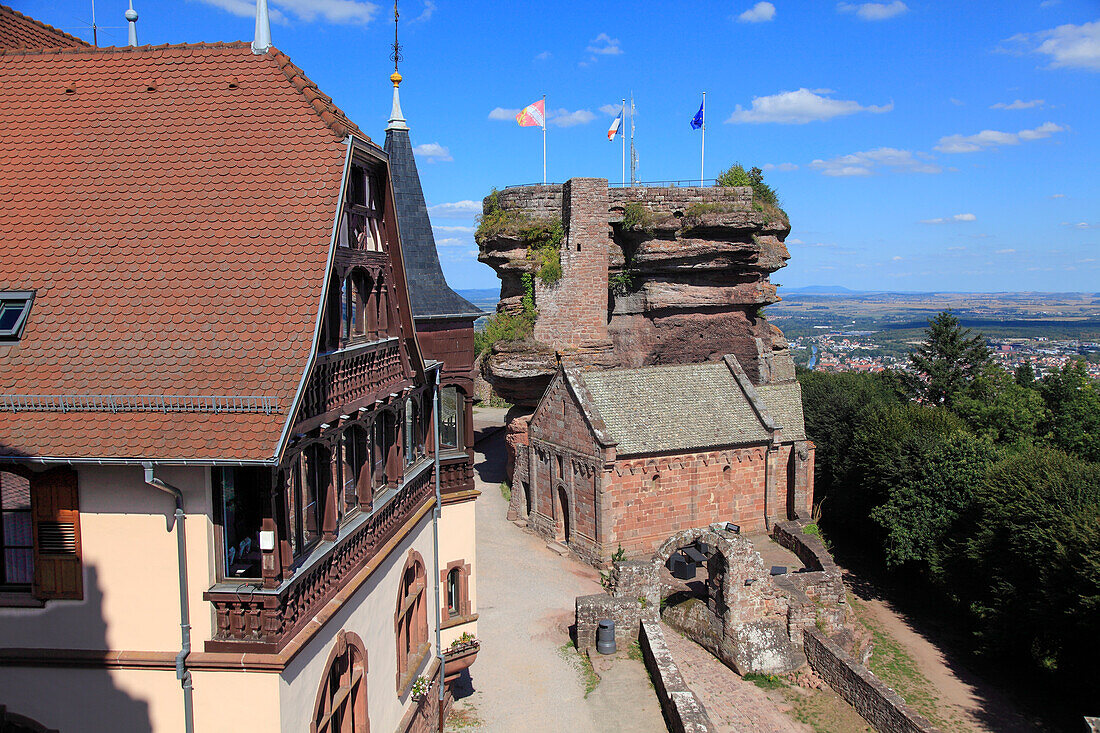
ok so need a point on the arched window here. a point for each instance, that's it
(342, 700)
(356, 467)
(655, 482)
(456, 587)
(451, 409)
(411, 621)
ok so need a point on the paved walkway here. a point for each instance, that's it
(525, 678)
(733, 704)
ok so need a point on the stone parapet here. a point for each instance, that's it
(683, 711)
(880, 706)
(627, 613)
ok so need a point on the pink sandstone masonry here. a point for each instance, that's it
(684, 283)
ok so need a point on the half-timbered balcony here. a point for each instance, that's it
(343, 377)
(252, 618)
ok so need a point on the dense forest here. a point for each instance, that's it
(979, 492)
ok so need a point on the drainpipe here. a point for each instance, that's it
(435, 532)
(182, 673)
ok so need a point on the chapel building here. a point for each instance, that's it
(624, 458)
(220, 494)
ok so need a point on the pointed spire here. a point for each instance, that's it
(397, 119)
(262, 41)
(131, 18)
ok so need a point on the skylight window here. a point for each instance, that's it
(14, 308)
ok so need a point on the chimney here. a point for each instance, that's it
(262, 42)
(131, 18)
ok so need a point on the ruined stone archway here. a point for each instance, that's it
(743, 621)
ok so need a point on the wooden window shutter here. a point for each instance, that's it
(56, 510)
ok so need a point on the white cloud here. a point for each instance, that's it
(1004, 251)
(897, 258)
(994, 138)
(456, 209)
(453, 229)
(794, 241)
(1049, 3)
(865, 163)
(246, 9)
(1068, 46)
(781, 167)
(433, 153)
(611, 110)
(762, 12)
(605, 45)
(1080, 225)
(500, 113)
(426, 14)
(452, 242)
(332, 11)
(957, 102)
(543, 56)
(1057, 195)
(1019, 104)
(799, 107)
(565, 118)
(874, 11)
(946, 219)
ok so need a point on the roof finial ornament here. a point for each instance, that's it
(397, 119)
(262, 41)
(131, 18)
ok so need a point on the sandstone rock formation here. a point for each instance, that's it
(648, 276)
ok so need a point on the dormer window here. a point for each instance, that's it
(14, 309)
(363, 211)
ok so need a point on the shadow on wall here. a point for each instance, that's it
(47, 698)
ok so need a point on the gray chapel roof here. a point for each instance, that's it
(689, 407)
(429, 293)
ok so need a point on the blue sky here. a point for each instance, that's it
(915, 145)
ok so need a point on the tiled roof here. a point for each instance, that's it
(673, 408)
(19, 31)
(784, 403)
(172, 207)
(428, 289)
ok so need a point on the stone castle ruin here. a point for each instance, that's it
(649, 276)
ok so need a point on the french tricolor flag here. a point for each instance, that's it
(615, 125)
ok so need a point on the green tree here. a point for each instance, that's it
(947, 362)
(1074, 403)
(1025, 374)
(997, 406)
(1032, 570)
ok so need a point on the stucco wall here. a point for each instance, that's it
(458, 541)
(370, 614)
(131, 582)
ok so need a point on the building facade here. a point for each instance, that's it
(624, 458)
(216, 422)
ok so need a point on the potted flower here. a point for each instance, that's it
(420, 687)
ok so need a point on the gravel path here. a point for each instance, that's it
(523, 679)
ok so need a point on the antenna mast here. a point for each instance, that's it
(95, 36)
(633, 152)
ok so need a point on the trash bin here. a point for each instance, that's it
(605, 636)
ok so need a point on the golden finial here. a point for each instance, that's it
(395, 77)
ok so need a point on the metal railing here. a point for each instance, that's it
(138, 403)
(670, 183)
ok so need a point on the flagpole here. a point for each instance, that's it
(544, 139)
(703, 144)
(622, 139)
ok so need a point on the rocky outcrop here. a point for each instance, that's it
(682, 275)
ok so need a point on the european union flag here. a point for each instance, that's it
(697, 120)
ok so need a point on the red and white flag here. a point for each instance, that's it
(533, 115)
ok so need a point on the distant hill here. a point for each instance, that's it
(823, 290)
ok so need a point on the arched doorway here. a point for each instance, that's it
(563, 527)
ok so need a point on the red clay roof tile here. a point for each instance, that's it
(20, 31)
(177, 241)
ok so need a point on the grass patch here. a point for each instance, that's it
(765, 681)
(765, 200)
(812, 529)
(636, 217)
(621, 283)
(635, 651)
(496, 400)
(506, 490)
(824, 711)
(582, 664)
(543, 237)
(462, 718)
(896, 667)
(503, 326)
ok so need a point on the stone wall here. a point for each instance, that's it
(627, 613)
(823, 582)
(880, 706)
(690, 284)
(683, 711)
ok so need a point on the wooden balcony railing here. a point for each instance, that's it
(343, 377)
(258, 620)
